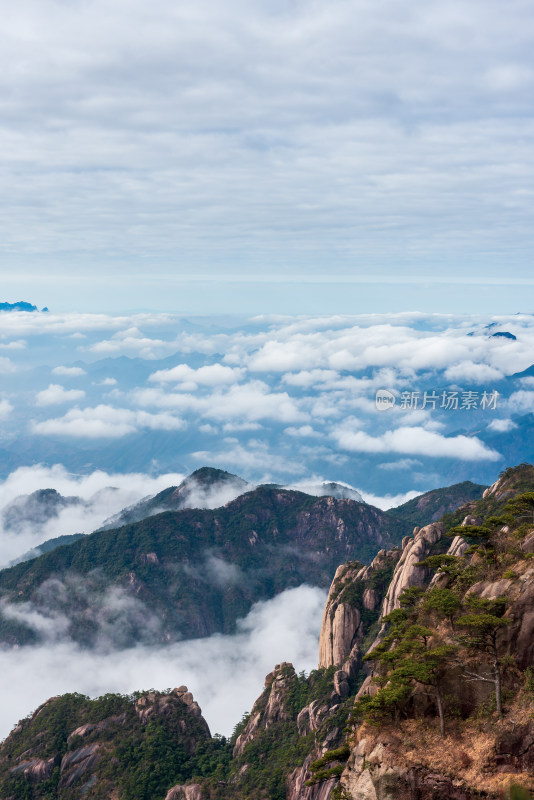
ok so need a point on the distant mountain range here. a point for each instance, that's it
(191, 560)
(431, 506)
(190, 572)
(20, 305)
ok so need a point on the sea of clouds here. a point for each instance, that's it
(225, 673)
(272, 398)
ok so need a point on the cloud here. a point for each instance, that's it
(105, 422)
(217, 148)
(222, 573)
(71, 372)
(19, 344)
(385, 502)
(469, 372)
(200, 495)
(5, 409)
(252, 401)
(415, 441)
(132, 342)
(254, 457)
(6, 366)
(213, 375)
(304, 431)
(102, 495)
(306, 378)
(521, 401)
(56, 394)
(502, 425)
(401, 463)
(285, 628)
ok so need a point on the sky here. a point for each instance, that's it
(258, 157)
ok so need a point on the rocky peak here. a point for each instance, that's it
(407, 573)
(510, 482)
(352, 608)
(72, 744)
(270, 706)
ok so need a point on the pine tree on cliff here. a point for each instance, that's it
(482, 628)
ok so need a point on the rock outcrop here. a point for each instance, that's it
(351, 609)
(73, 746)
(270, 707)
(407, 573)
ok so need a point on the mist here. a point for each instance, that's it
(100, 494)
(225, 673)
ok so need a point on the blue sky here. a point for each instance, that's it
(267, 156)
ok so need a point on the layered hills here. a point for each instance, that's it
(191, 572)
(424, 690)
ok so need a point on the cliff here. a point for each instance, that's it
(447, 708)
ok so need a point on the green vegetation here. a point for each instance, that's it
(275, 751)
(164, 563)
(447, 628)
(431, 506)
(141, 759)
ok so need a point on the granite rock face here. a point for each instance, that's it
(355, 590)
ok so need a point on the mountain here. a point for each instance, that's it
(431, 506)
(192, 572)
(21, 305)
(424, 638)
(132, 747)
(35, 509)
(48, 546)
(341, 491)
(205, 488)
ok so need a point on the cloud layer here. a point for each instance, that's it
(304, 137)
(225, 673)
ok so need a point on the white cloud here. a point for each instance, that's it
(469, 372)
(108, 382)
(56, 394)
(254, 457)
(415, 441)
(102, 494)
(307, 378)
(212, 375)
(6, 366)
(304, 431)
(388, 501)
(521, 401)
(134, 343)
(71, 372)
(105, 422)
(5, 409)
(252, 401)
(18, 344)
(502, 425)
(285, 628)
